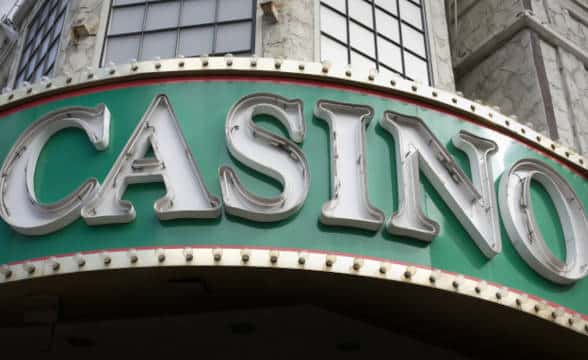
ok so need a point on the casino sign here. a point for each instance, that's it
(283, 164)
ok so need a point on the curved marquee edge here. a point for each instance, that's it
(338, 73)
(294, 259)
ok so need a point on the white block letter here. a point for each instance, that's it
(172, 164)
(349, 204)
(267, 153)
(19, 205)
(520, 222)
(474, 206)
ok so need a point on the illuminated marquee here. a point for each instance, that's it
(417, 148)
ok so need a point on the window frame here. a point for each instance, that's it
(428, 58)
(215, 24)
(22, 42)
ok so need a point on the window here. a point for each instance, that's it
(144, 30)
(388, 35)
(39, 52)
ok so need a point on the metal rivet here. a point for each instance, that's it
(357, 264)
(348, 72)
(538, 138)
(158, 66)
(90, 75)
(107, 260)
(553, 146)
(29, 268)
(454, 100)
(68, 80)
(383, 269)
(217, 257)
(478, 289)
(393, 82)
(498, 295)
(80, 260)
(571, 321)
(409, 272)
(490, 115)
(48, 85)
(567, 154)
(54, 264)
(523, 130)
(273, 257)
(204, 60)
(507, 123)
(278, 63)
(435, 94)
(432, 279)
(245, 257)
(326, 67)
(473, 107)
(330, 260)
(6, 271)
(455, 284)
(301, 66)
(29, 90)
(160, 255)
(581, 161)
(188, 254)
(181, 63)
(133, 256)
(519, 302)
(414, 88)
(301, 260)
(11, 96)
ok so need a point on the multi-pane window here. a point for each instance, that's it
(143, 30)
(41, 42)
(388, 35)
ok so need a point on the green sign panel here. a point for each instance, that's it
(358, 227)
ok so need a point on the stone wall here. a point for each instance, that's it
(528, 57)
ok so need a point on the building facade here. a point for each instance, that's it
(467, 96)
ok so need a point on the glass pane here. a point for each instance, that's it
(333, 24)
(58, 27)
(411, 13)
(416, 68)
(161, 44)
(163, 15)
(234, 9)
(198, 12)
(125, 2)
(388, 5)
(413, 40)
(44, 46)
(197, 41)
(125, 20)
(121, 50)
(362, 12)
(389, 54)
(333, 51)
(233, 38)
(337, 4)
(38, 73)
(387, 72)
(52, 18)
(362, 39)
(387, 25)
(51, 56)
(24, 59)
(359, 61)
(31, 65)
